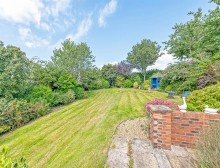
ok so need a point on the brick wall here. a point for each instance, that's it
(160, 127)
(186, 126)
(176, 128)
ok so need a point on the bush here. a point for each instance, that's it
(128, 83)
(135, 77)
(61, 98)
(146, 84)
(66, 82)
(4, 128)
(68, 97)
(38, 109)
(6, 162)
(169, 88)
(40, 93)
(135, 85)
(209, 147)
(105, 84)
(79, 92)
(119, 81)
(19, 112)
(208, 96)
(190, 85)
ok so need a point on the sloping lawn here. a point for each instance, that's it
(79, 134)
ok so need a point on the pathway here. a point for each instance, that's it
(131, 148)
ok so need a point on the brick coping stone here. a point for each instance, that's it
(160, 108)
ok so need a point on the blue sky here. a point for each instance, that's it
(109, 27)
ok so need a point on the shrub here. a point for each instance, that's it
(68, 97)
(79, 92)
(128, 83)
(209, 147)
(135, 85)
(119, 81)
(190, 85)
(208, 96)
(40, 93)
(6, 162)
(146, 84)
(105, 84)
(19, 112)
(61, 98)
(4, 128)
(135, 77)
(38, 109)
(66, 82)
(169, 88)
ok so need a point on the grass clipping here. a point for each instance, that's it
(209, 147)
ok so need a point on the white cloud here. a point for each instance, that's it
(38, 12)
(24, 11)
(106, 11)
(59, 6)
(30, 40)
(82, 29)
(163, 61)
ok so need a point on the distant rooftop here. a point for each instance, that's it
(157, 75)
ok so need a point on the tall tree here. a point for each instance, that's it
(14, 72)
(124, 68)
(109, 73)
(144, 54)
(73, 58)
(196, 39)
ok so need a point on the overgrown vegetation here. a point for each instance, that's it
(195, 45)
(198, 99)
(209, 147)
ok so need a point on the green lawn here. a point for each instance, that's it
(79, 134)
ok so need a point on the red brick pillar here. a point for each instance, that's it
(160, 126)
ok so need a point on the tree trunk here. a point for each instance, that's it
(144, 74)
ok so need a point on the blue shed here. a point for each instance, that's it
(155, 81)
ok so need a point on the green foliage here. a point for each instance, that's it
(169, 88)
(61, 98)
(197, 38)
(135, 85)
(144, 54)
(79, 91)
(73, 58)
(208, 96)
(99, 84)
(119, 81)
(105, 84)
(41, 92)
(18, 112)
(6, 162)
(190, 85)
(128, 83)
(135, 77)
(146, 84)
(45, 73)
(4, 128)
(14, 72)
(215, 1)
(109, 73)
(66, 82)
